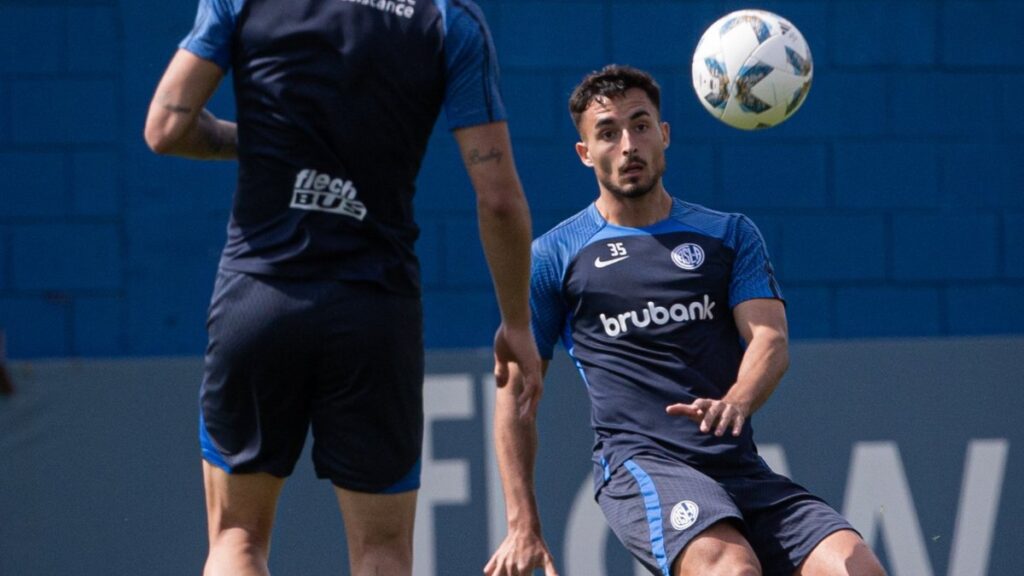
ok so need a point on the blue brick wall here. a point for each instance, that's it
(892, 202)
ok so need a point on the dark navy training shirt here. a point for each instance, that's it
(336, 101)
(646, 315)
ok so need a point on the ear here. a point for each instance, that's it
(583, 151)
(665, 133)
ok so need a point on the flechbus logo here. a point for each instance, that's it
(659, 315)
(321, 192)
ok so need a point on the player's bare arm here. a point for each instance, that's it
(178, 124)
(762, 324)
(515, 437)
(503, 215)
(504, 220)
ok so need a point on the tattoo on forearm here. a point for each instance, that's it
(475, 157)
(220, 139)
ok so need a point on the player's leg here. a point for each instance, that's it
(721, 549)
(378, 529)
(240, 515)
(367, 416)
(253, 412)
(675, 520)
(842, 553)
(795, 532)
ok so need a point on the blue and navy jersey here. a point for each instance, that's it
(646, 315)
(336, 101)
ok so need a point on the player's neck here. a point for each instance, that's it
(649, 209)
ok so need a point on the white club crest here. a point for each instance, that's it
(688, 256)
(684, 514)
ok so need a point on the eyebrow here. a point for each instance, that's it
(605, 121)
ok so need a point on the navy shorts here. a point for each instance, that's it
(655, 506)
(286, 354)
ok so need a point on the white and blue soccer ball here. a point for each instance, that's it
(752, 69)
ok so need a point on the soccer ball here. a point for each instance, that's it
(752, 69)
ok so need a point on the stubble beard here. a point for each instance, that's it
(636, 190)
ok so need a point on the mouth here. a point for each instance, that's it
(632, 168)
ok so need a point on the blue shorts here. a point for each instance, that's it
(285, 354)
(655, 506)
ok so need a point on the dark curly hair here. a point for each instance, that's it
(612, 81)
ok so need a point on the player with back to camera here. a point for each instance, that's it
(651, 297)
(316, 318)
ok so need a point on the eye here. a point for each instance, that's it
(607, 134)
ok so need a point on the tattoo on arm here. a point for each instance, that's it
(170, 106)
(220, 143)
(475, 157)
(177, 109)
(219, 138)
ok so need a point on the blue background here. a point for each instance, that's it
(892, 202)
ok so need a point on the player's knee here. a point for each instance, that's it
(238, 541)
(236, 551)
(381, 554)
(390, 540)
(720, 551)
(739, 567)
(863, 562)
(720, 562)
(726, 567)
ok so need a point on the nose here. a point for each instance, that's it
(628, 148)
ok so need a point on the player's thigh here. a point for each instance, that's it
(262, 342)
(783, 520)
(720, 549)
(842, 553)
(240, 506)
(657, 507)
(367, 410)
(373, 519)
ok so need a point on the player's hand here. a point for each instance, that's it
(520, 555)
(716, 416)
(515, 345)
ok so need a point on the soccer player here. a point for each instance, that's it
(651, 297)
(315, 319)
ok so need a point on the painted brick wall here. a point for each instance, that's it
(892, 202)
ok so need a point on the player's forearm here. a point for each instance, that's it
(515, 437)
(503, 214)
(505, 235)
(764, 363)
(175, 131)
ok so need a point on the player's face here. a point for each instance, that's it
(623, 141)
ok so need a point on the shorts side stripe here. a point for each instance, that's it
(653, 505)
(210, 452)
(409, 482)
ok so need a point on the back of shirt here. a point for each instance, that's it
(336, 100)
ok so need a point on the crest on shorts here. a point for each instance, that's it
(684, 514)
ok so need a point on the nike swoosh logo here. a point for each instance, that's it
(598, 263)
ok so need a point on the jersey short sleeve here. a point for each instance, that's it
(210, 38)
(472, 95)
(546, 303)
(753, 275)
